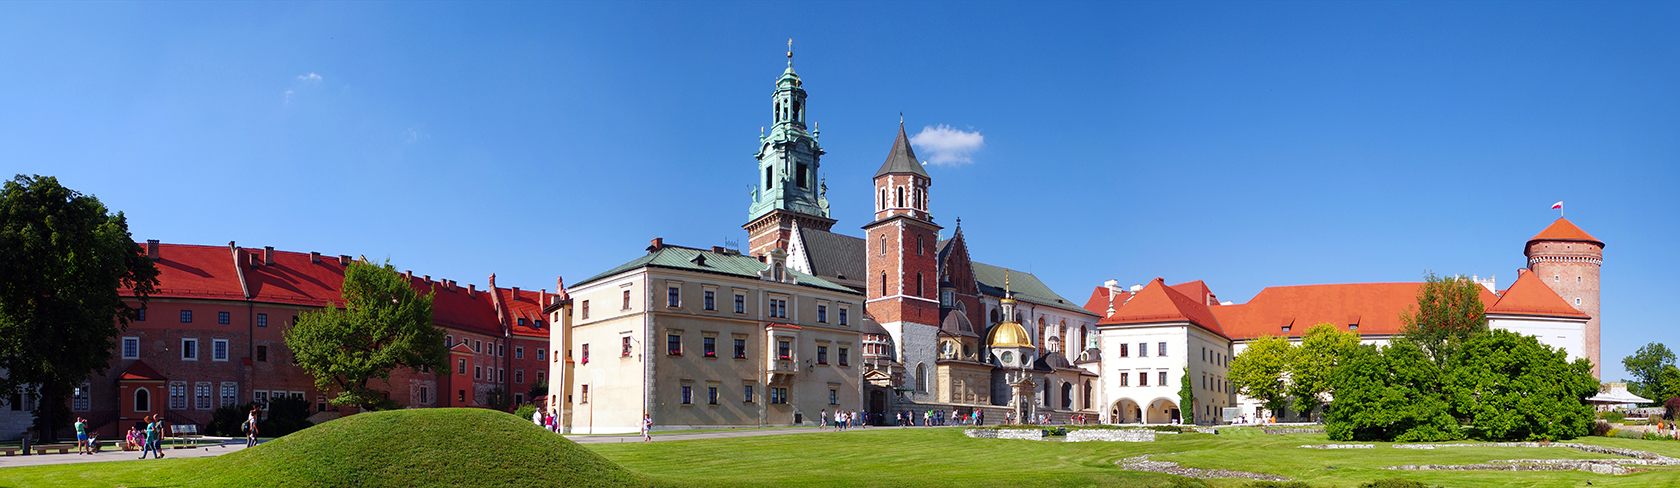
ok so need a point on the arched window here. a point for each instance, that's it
(1087, 396)
(901, 196)
(996, 316)
(921, 378)
(883, 245)
(883, 203)
(918, 283)
(919, 245)
(142, 400)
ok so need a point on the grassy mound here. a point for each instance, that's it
(421, 447)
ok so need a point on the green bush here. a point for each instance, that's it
(525, 411)
(1394, 483)
(229, 421)
(285, 416)
(1628, 434)
(1612, 416)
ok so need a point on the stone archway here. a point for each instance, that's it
(1124, 411)
(1161, 411)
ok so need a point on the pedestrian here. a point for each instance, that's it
(647, 427)
(157, 435)
(82, 437)
(146, 436)
(130, 441)
(251, 427)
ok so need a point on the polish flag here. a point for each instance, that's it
(1557, 206)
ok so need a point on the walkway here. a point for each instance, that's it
(203, 450)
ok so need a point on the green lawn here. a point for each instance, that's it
(449, 447)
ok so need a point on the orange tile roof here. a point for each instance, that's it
(1158, 303)
(1375, 307)
(458, 308)
(1564, 230)
(140, 371)
(1098, 303)
(526, 307)
(1529, 295)
(1197, 290)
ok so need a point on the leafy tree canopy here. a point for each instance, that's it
(1389, 395)
(63, 261)
(1448, 313)
(1313, 364)
(1512, 387)
(1258, 371)
(1647, 365)
(385, 324)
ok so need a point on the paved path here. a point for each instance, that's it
(719, 434)
(204, 450)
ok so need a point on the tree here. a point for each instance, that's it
(1513, 388)
(63, 261)
(538, 390)
(1647, 365)
(384, 325)
(1449, 312)
(1392, 394)
(1258, 371)
(1186, 398)
(1312, 365)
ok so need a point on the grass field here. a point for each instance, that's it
(450, 447)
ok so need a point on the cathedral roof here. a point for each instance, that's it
(1025, 287)
(835, 257)
(1051, 362)
(1530, 296)
(956, 323)
(1564, 230)
(724, 263)
(871, 327)
(901, 159)
(1008, 334)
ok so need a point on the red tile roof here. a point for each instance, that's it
(1564, 230)
(459, 309)
(1197, 290)
(1376, 307)
(1098, 303)
(527, 307)
(204, 272)
(140, 371)
(1530, 296)
(1158, 303)
(292, 279)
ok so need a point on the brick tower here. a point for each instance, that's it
(788, 161)
(1568, 258)
(901, 247)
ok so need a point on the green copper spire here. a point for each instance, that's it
(788, 155)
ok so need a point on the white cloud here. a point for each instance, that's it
(412, 136)
(945, 145)
(310, 77)
(288, 96)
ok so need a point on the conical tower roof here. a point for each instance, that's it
(1564, 230)
(901, 159)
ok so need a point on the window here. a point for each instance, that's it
(778, 308)
(461, 396)
(778, 395)
(1577, 301)
(711, 300)
(262, 320)
(261, 398)
(624, 350)
(541, 376)
(1143, 349)
(1125, 351)
(822, 354)
(883, 253)
(842, 315)
(501, 350)
(673, 297)
(918, 283)
(1161, 349)
(219, 350)
(201, 395)
(519, 352)
(710, 347)
(673, 342)
(900, 199)
(843, 356)
(186, 316)
(178, 395)
(1556, 278)
(518, 376)
(222, 318)
(740, 348)
(711, 395)
(130, 347)
(1286, 328)
(799, 170)
(142, 400)
(1143, 379)
(478, 372)
(448, 341)
(321, 402)
(1125, 379)
(626, 300)
(687, 395)
(142, 316)
(501, 374)
(81, 401)
(461, 366)
(230, 393)
(586, 350)
(1162, 380)
(833, 396)
(740, 304)
(1353, 327)
(586, 309)
(542, 354)
(425, 395)
(919, 245)
(784, 350)
(1204, 355)
(746, 393)
(189, 350)
(822, 314)
(478, 346)
(262, 353)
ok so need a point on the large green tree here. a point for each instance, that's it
(1647, 366)
(63, 261)
(385, 324)
(1392, 394)
(1258, 372)
(1513, 388)
(1449, 312)
(1313, 364)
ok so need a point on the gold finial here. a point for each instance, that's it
(790, 48)
(1005, 283)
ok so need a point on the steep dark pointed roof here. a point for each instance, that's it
(901, 159)
(870, 326)
(1051, 362)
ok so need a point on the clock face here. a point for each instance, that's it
(1008, 357)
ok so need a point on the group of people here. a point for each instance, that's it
(546, 421)
(85, 443)
(146, 436)
(940, 418)
(844, 419)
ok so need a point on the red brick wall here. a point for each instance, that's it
(1575, 276)
(899, 262)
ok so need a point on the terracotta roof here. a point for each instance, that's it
(1375, 307)
(1197, 290)
(1098, 303)
(1159, 303)
(140, 371)
(456, 308)
(292, 279)
(526, 307)
(1529, 295)
(1564, 230)
(204, 272)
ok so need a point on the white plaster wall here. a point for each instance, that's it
(1113, 365)
(917, 344)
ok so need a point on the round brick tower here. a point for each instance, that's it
(1568, 259)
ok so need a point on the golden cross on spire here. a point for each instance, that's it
(790, 48)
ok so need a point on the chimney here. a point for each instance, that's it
(268, 255)
(428, 278)
(515, 293)
(718, 249)
(408, 275)
(472, 289)
(314, 257)
(1113, 290)
(152, 249)
(658, 243)
(492, 286)
(1137, 288)
(344, 260)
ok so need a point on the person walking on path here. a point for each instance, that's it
(157, 435)
(647, 427)
(82, 437)
(146, 437)
(251, 428)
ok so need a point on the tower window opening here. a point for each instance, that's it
(800, 175)
(883, 284)
(901, 196)
(769, 178)
(919, 286)
(919, 245)
(882, 205)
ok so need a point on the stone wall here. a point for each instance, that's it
(1111, 435)
(1023, 434)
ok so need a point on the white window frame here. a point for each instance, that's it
(136, 354)
(184, 399)
(149, 398)
(230, 393)
(219, 347)
(204, 394)
(195, 352)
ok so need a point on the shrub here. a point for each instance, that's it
(1628, 434)
(1611, 432)
(525, 411)
(228, 421)
(1600, 427)
(1612, 416)
(1671, 408)
(1394, 483)
(285, 416)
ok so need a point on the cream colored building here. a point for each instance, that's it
(705, 339)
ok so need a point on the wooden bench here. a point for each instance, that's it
(61, 448)
(186, 434)
(11, 450)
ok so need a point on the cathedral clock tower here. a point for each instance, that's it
(789, 188)
(901, 245)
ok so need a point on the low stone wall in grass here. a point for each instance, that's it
(1023, 434)
(1111, 435)
(1281, 431)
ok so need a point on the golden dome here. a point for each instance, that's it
(1010, 334)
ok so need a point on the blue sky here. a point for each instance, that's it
(1246, 144)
